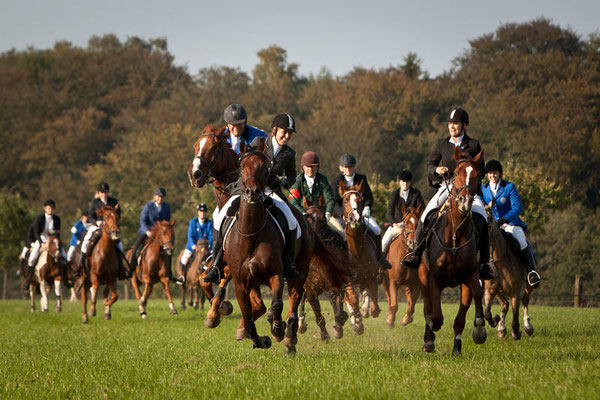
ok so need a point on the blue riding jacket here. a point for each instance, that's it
(249, 134)
(507, 204)
(197, 231)
(150, 215)
(77, 232)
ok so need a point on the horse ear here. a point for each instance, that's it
(418, 212)
(173, 223)
(457, 153)
(361, 186)
(479, 157)
(341, 189)
(304, 202)
(117, 207)
(403, 209)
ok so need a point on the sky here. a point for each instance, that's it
(337, 35)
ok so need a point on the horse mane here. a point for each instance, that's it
(156, 227)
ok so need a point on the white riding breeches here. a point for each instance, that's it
(518, 233)
(372, 225)
(186, 256)
(91, 228)
(387, 237)
(71, 252)
(24, 252)
(441, 196)
(35, 253)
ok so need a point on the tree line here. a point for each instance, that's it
(123, 112)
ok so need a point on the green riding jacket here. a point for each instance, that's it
(321, 187)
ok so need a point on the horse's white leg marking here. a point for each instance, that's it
(73, 298)
(469, 170)
(457, 336)
(57, 289)
(44, 293)
(501, 324)
(366, 307)
(171, 306)
(351, 311)
(526, 321)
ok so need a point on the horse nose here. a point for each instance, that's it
(197, 174)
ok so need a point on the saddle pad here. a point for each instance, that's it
(228, 224)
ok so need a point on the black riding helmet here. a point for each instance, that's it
(103, 187)
(235, 114)
(49, 202)
(284, 121)
(160, 192)
(405, 176)
(459, 115)
(202, 207)
(347, 160)
(493, 165)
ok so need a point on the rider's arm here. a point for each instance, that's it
(145, 219)
(515, 202)
(434, 161)
(167, 208)
(296, 194)
(36, 228)
(191, 233)
(368, 195)
(390, 214)
(289, 170)
(210, 235)
(329, 196)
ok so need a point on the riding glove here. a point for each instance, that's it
(366, 212)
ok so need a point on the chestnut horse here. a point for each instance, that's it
(399, 275)
(153, 265)
(451, 258)
(363, 252)
(193, 276)
(48, 272)
(510, 282)
(104, 266)
(317, 282)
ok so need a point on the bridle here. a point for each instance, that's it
(211, 165)
(347, 215)
(262, 196)
(406, 233)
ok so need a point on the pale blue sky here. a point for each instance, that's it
(336, 34)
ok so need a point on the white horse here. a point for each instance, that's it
(48, 273)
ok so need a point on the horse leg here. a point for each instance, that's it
(366, 305)
(437, 318)
(201, 298)
(341, 316)
(313, 300)
(516, 328)
(165, 282)
(375, 310)
(84, 289)
(412, 295)
(135, 284)
(504, 307)
(183, 296)
(73, 298)
(459, 321)
(44, 296)
(295, 292)
(274, 314)
(196, 293)
(429, 336)
(488, 297)
(57, 293)
(213, 316)
(108, 302)
(94, 291)
(243, 298)
(526, 321)
(391, 293)
(476, 288)
(144, 298)
(258, 309)
(32, 297)
(302, 327)
(351, 300)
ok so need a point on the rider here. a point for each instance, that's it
(440, 177)
(282, 171)
(349, 178)
(77, 232)
(406, 196)
(506, 210)
(154, 211)
(240, 133)
(199, 228)
(101, 198)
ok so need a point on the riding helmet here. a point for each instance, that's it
(284, 121)
(49, 202)
(160, 192)
(310, 159)
(202, 207)
(459, 115)
(103, 187)
(493, 165)
(235, 114)
(405, 176)
(347, 160)
(85, 214)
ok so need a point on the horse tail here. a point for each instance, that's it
(333, 263)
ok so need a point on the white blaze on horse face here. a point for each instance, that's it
(469, 169)
(354, 205)
(196, 162)
(412, 220)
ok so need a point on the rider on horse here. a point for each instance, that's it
(440, 177)
(282, 171)
(77, 232)
(154, 211)
(241, 135)
(404, 196)
(101, 198)
(199, 228)
(506, 208)
(349, 178)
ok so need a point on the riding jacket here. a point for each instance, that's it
(282, 167)
(96, 205)
(366, 193)
(199, 230)
(443, 155)
(321, 187)
(77, 232)
(39, 225)
(394, 211)
(248, 135)
(151, 214)
(507, 202)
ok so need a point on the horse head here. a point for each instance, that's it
(202, 248)
(353, 204)
(210, 161)
(410, 219)
(254, 176)
(164, 234)
(54, 245)
(110, 217)
(466, 179)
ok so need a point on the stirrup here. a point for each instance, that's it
(533, 278)
(180, 280)
(212, 276)
(412, 262)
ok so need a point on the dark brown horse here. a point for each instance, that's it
(153, 265)
(451, 258)
(317, 283)
(48, 273)
(104, 267)
(363, 251)
(192, 276)
(509, 286)
(399, 275)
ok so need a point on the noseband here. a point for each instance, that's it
(347, 214)
(211, 165)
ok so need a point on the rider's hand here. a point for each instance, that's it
(99, 222)
(281, 179)
(327, 216)
(441, 170)
(366, 212)
(194, 247)
(148, 233)
(502, 221)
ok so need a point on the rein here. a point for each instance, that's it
(347, 214)
(211, 165)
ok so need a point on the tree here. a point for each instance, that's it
(14, 220)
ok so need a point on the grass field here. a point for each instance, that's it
(55, 356)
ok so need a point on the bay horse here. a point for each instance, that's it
(48, 273)
(363, 251)
(451, 258)
(317, 282)
(509, 283)
(399, 275)
(193, 276)
(103, 265)
(153, 265)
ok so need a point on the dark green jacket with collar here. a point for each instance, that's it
(321, 187)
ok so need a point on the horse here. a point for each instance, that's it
(317, 282)
(510, 282)
(400, 246)
(48, 273)
(363, 251)
(192, 276)
(153, 266)
(451, 258)
(103, 265)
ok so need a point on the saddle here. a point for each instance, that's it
(514, 246)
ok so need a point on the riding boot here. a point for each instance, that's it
(215, 272)
(413, 260)
(124, 273)
(289, 257)
(485, 271)
(23, 270)
(135, 252)
(29, 272)
(80, 263)
(532, 275)
(183, 271)
(65, 274)
(381, 257)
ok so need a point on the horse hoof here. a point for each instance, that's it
(278, 330)
(265, 342)
(189, 303)
(92, 313)
(226, 307)
(290, 351)
(479, 334)
(290, 341)
(84, 318)
(241, 334)
(44, 310)
(212, 322)
(32, 309)
(364, 314)
(195, 306)
(429, 347)
(58, 309)
(173, 311)
(457, 349)
(338, 332)
(376, 313)
(516, 335)
(302, 326)
(502, 333)
(358, 329)
(407, 320)
(528, 330)
(325, 337)
(107, 316)
(143, 314)
(183, 307)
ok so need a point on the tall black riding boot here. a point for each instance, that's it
(124, 272)
(215, 272)
(532, 276)
(135, 252)
(485, 271)
(289, 257)
(383, 262)
(65, 274)
(80, 263)
(413, 260)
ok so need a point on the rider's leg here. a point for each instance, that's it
(71, 253)
(485, 271)
(526, 252)
(85, 247)
(215, 272)
(124, 272)
(135, 253)
(291, 234)
(376, 231)
(413, 260)
(35, 253)
(387, 238)
(183, 263)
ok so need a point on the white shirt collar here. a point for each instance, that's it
(310, 181)
(458, 141)
(235, 141)
(494, 188)
(403, 194)
(276, 146)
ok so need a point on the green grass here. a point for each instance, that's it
(56, 356)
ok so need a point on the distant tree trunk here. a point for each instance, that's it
(5, 283)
